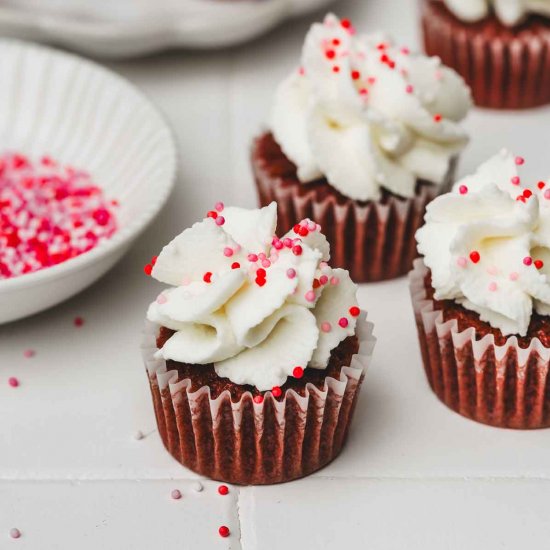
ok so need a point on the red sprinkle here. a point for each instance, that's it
(331, 54)
(346, 23)
(276, 391)
(527, 193)
(438, 118)
(343, 322)
(298, 372)
(356, 75)
(297, 250)
(259, 399)
(78, 321)
(224, 531)
(539, 264)
(207, 278)
(223, 490)
(474, 256)
(354, 311)
(235, 265)
(148, 269)
(212, 214)
(541, 185)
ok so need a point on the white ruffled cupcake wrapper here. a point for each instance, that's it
(255, 443)
(505, 386)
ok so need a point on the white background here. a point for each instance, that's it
(413, 474)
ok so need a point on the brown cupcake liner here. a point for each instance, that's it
(505, 386)
(255, 443)
(505, 68)
(374, 241)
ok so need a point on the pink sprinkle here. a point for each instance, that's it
(161, 299)
(266, 263)
(405, 51)
(462, 262)
(527, 260)
(278, 244)
(219, 206)
(323, 279)
(409, 89)
(492, 270)
(334, 280)
(252, 258)
(463, 189)
(343, 322)
(326, 326)
(547, 194)
(514, 276)
(220, 220)
(262, 256)
(28, 353)
(15, 533)
(291, 273)
(13, 382)
(176, 494)
(312, 226)
(515, 180)
(519, 161)
(228, 252)
(310, 296)
(492, 286)
(78, 321)
(287, 242)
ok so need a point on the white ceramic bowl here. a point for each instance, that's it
(125, 28)
(82, 114)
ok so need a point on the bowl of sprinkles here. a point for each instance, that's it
(86, 162)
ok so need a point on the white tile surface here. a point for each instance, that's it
(413, 474)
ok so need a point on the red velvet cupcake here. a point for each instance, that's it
(361, 138)
(257, 352)
(482, 297)
(500, 47)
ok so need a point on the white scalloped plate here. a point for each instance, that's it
(83, 115)
(125, 28)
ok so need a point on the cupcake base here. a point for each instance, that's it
(506, 68)
(507, 385)
(245, 442)
(374, 241)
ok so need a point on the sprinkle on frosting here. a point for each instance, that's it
(506, 240)
(385, 117)
(238, 312)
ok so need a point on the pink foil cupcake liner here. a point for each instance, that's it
(255, 443)
(505, 386)
(374, 241)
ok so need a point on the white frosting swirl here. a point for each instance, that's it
(365, 113)
(487, 245)
(509, 12)
(254, 305)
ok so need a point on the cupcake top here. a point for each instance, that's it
(367, 114)
(509, 12)
(258, 307)
(487, 244)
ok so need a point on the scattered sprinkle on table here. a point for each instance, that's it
(15, 533)
(197, 487)
(176, 494)
(138, 435)
(224, 531)
(78, 321)
(49, 213)
(28, 353)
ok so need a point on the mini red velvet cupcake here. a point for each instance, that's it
(257, 352)
(500, 47)
(361, 138)
(482, 297)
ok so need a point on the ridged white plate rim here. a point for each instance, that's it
(131, 230)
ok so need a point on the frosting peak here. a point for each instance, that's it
(509, 12)
(487, 245)
(367, 114)
(255, 305)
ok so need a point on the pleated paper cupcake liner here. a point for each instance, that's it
(505, 386)
(374, 241)
(255, 443)
(506, 68)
